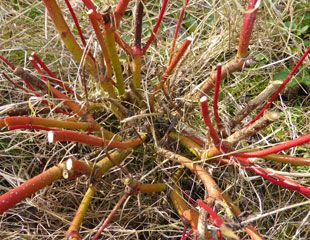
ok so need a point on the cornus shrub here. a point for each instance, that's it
(111, 144)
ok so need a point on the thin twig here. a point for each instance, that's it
(274, 212)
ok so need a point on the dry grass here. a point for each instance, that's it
(215, 26)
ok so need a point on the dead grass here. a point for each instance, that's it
(215, 26)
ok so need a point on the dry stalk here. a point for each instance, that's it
(254, 103)
(246, 133)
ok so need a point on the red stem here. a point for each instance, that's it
(123, 44)
(246, 31)
(89, 4)
(280, 147)
(31, 186)
(110, 216)
(14, 196)
(120, 11)
(72, 136)
(286, 80)
(217, 220)
(29, 126)
(7, 62)
(274, 178)
(183, 237)
(54, 124)
(35, 65)
(76, 22)
(155, 29)
(46, 69)
(96, 16)
(176, 32)
(15, 83)
(205, 114)
(176, 59)
(216, 96)
(52, 75)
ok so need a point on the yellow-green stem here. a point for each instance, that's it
(149, 188)
(189, 144)
(101, 167)
(136, 71)
(73, 231)
(48, 122)
(103, 46)
(110, 161)
(117, 68)
(67, 36)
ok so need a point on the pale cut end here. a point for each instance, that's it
(33, 53)
(257, 4)
(203, 99)
(34, 98)
(50, 136)
(190, 39)
(219, 65)
(229, 233)
(68, 168)
(142, 135)
(277, 82)
(254, 160)
(31, 58)
(272, 116)
(90, 12)
(69, 164)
